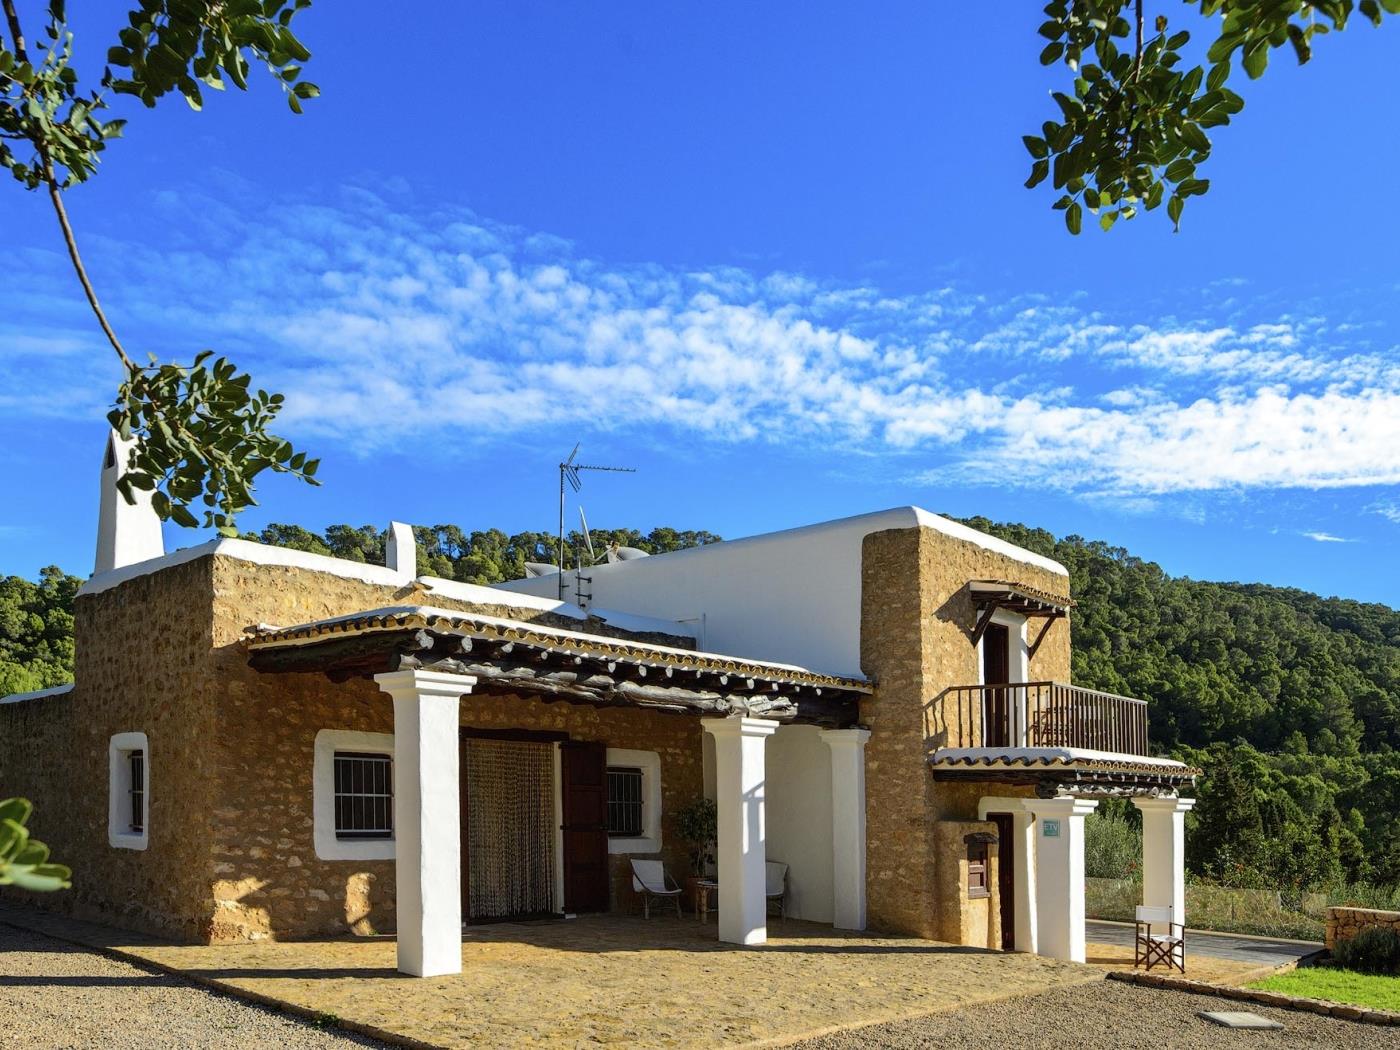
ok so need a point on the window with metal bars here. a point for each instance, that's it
(364, 796)
(624, 802)
(136, 789)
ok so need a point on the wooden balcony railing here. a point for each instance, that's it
(1046, 714)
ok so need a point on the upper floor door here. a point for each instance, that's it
(996, 670)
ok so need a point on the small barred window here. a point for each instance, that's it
(364, 796)
(624, 802)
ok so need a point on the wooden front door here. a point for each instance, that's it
(996, 670)
(584, 789)
(1006, 877)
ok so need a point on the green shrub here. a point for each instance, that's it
(697, 823)
(1376, 949)
(1112, 845)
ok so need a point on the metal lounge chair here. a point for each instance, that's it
(1152, 948)
(649, 878)
(775, 877)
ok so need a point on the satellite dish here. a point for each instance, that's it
(535, 569)
(587, 537)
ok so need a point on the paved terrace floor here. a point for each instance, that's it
(610, 979)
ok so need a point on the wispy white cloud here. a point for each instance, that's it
(1327, 537)
(387, 325)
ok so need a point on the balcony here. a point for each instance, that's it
(1046, 714)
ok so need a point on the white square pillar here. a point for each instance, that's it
(847, 826)
(1058, 827)
(739, 793)
(1164, 853)
(427, 819)
(1024, 830)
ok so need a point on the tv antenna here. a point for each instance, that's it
(569, 471)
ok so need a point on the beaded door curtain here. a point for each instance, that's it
(510, 828)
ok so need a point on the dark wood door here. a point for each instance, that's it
(996, 670)
(584, 789)
(1006, 877)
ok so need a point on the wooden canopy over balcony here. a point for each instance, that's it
(990, 596)
(520, 658)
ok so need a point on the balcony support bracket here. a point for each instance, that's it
(1049, 622)
(985, 620)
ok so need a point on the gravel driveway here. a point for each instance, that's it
(57, 996)
(1110, 1015)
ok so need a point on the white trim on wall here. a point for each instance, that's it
(558, 829)
(649, 762)
(119, 833)
(328, 847)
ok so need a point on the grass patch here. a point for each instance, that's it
(1342, 986)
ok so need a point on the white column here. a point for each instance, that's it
(847, 826)
(739, 791)
(1059, 874)
(427, 819)
(1024, 830)
(1164, 853)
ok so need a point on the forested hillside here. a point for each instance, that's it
(1289, 701)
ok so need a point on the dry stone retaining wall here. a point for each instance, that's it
(1345, 923)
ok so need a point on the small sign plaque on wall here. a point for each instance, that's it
(1051, 828)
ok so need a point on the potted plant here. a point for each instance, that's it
(696, 824)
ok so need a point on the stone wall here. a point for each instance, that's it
(141, 666)
(1345, 923)
(917, 621)
(270, 880)
(963, 919)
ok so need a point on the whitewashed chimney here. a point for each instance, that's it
(401, 552)
(126, 532)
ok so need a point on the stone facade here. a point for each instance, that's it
(917, 621)
(1345, 923)
(231, 854)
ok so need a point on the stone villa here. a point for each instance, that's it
(261, 742)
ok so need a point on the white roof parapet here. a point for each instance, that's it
(38, 694)
(265, 554)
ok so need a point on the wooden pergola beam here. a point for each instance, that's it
(524, 667)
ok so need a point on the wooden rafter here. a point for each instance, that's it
(535, 668)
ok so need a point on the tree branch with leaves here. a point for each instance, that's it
(202, 433)
(1133, 125)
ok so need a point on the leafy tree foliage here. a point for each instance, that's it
(24, 861)
(36, 631)
(1132, 127)
(202, 433)
(484, 557)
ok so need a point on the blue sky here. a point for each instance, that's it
(776, 256)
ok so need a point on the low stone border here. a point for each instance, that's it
(211, 984)
(1344, 1011)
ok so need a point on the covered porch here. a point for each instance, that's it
(435, 664)
(1042, 893)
